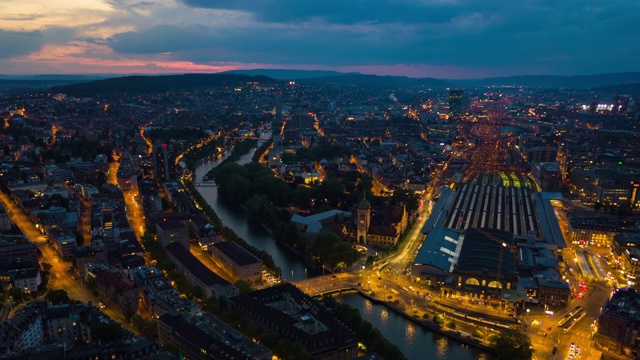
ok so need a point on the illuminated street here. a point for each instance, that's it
(60, 277)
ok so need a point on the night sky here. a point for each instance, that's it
(416, 38)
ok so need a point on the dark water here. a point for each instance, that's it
(293, 266)
(415, 342)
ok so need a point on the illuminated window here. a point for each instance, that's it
(472, 281)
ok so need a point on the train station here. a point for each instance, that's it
(494, 240)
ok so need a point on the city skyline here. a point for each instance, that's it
(429, 38)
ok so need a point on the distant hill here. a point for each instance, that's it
(20, 86)
(551, 81)
(632, 90)
(284, 74)
(312, 77)
(159, 83)
(321, 77)
(88, 85)
(376, 82)
(56, 77)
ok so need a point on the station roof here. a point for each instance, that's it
(548, 221)
(440, 209)
(441, 249)
(484, 253)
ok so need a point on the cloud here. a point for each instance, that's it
(390, 36)
(345, 33)
(19, 43)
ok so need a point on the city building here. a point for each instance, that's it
(626, 253)
(161, 161)
(297, 317)
(309, 226)
(27, 280)
(456, 102)
(380, 226)
(619, 323)
(159, 297)
(547, 175)
(204, 337)
(198, 274)
(173, 231)
(278, 105)
(237, 262)
(22, 332)
(37, 330)
(15, 248)
(116, 288)
(542, 154)
(485, 266)
(553, 292)
(5, 220)
(592, 231)
(63, 240)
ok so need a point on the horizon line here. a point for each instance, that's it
(338, 73)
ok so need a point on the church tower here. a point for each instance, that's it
(363, 221)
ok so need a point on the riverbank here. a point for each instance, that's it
(462, 335)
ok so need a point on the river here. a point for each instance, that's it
(293, 267)
(414, 341)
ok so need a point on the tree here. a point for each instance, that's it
(243, 286)
(451, 325)
(269, 338)
(438, 319)
(235, 189)
(146, 327)
(513, 345)
(57, 297)
(298, 352)
(259, 210)
(15, 293)
(287, 232)
(342, 255)
(408, 197)
(322, 245)
(302, 197)
(223, 172)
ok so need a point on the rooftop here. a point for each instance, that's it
(194, 266)
(236, 253)
(483, 251)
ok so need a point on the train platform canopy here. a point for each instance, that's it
(439, 211)
(547, 218)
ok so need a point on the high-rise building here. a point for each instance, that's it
(620, 105)
(278, 105)
(160, 161)
(542, 154)
(456, 102)
(547, 175)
